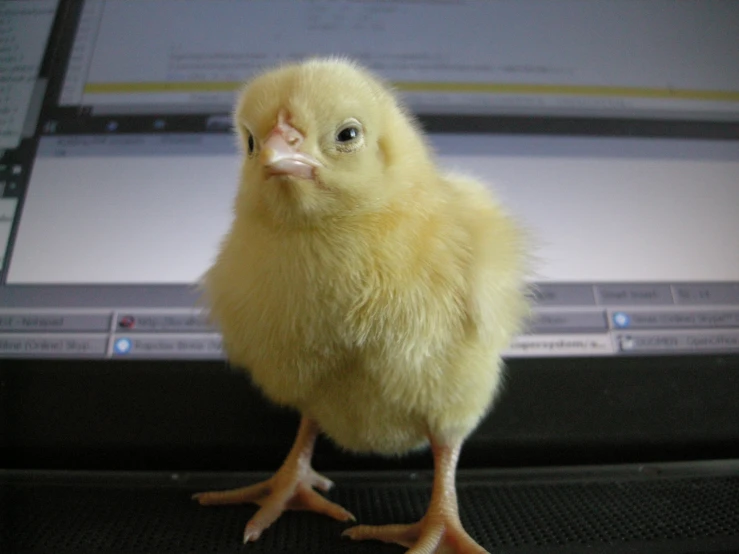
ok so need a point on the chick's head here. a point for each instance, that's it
(322, 139)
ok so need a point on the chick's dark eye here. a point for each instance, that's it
(347, 134)
(250, 144)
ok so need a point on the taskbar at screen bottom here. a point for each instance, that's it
(208, 346)
(568, 319)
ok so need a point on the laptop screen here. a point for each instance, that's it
(609, 130)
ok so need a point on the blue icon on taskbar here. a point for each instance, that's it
(621, 319)
(122, 346)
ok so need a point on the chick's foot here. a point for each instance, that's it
(440, 530)
(430, 535)
(291, 488)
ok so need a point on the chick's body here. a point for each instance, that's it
(374, 324)
(375, 295)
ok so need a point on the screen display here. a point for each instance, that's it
(608, 128)
(475, 56)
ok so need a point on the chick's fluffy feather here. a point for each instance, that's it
(377, 299)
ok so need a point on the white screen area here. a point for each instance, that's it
(510, 55)
(600, 209)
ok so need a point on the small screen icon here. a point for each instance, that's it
(122, 346)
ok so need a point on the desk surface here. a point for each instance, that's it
(653, 508)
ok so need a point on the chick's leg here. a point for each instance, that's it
(291, 488)
(440, 530)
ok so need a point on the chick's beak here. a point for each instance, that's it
(281, 153)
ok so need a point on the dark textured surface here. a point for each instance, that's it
(632, 511)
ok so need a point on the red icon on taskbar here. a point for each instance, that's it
(127, 322)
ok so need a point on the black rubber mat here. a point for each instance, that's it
(608, 511)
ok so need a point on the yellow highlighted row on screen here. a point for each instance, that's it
(424, 86)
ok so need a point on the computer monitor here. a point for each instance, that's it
(609, 130)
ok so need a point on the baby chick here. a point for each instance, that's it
(362, 286)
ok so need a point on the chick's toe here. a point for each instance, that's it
(291, 488)
(440, 530)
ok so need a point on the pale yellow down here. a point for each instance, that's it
(376, 299)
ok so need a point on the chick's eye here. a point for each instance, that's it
(347, 134)
(250, 144)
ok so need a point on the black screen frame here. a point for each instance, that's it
(163, 415)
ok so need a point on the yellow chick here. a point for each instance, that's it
(362, 286)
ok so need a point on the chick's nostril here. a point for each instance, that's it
(290, 134)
